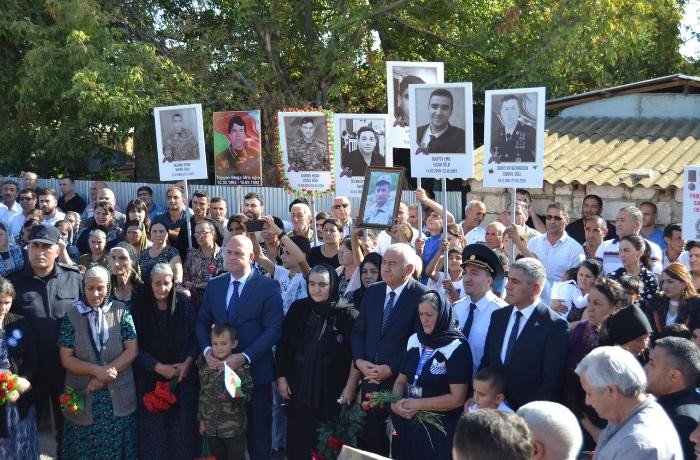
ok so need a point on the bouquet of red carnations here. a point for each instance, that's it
(162, 397)
(8, 386)
(71, 401)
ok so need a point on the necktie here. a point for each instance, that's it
(233, 302)
(513, 335)
(508, 137)
(470, 319)
(388, 309)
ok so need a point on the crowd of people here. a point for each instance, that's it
(258, 329)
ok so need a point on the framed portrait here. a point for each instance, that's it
(442, 130)
(399, 76)
(237, 158)
(180, 142)
(381, 196)
(305, 154)
(514, 138)
(691, 203)
(360, 142)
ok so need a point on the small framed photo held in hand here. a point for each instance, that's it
(381, 196)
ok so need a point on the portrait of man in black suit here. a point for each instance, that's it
(440, 136)
(526, 340)
(513, 140)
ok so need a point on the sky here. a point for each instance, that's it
(691, 19)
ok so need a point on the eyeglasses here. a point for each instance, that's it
(554, 218)
(201, 234)
(344, 205)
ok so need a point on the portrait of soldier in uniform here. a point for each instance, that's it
(308, 150)
(180, 144)
(513, 137)
(240, 158)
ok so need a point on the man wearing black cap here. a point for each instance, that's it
(46, 290)
(481, 268)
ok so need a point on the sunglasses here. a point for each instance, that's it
(338, 206)
(554, 218)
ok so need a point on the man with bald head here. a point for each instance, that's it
(388, 317)
(106, 195)
(90, 208)
(250, 302)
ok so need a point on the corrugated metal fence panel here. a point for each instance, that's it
(276, 199)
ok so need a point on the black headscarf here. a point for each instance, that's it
(444, 332)
(327, 306)
(376, 260)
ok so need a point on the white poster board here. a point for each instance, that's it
(399, 76)
(514, 138)
(360, 142)
(441, 127)
(691, 203)
(180, 142)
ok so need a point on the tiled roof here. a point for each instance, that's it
(603, 151)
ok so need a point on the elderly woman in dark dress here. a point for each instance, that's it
(165, 322)
(124, 268)
(434, 376)
(314, 361)
(18, 432)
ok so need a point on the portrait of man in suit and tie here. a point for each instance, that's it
(526, 340)
(250, 302)
(443, 108)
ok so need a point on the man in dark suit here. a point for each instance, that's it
(527, 341)
(388, 317)
(439, 136)
(250, 302)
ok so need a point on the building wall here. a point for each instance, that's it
(668, 202)
(673, 106)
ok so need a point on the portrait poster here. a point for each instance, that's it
(442, 142)
(691, 203)
(237, 158)
(399, 76)
(514, 138)
(360, 142)
(180, 142)
(381, 196)
(306, 151)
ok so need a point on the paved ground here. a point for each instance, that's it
(47, 442)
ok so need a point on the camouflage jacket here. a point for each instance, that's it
(223, 416)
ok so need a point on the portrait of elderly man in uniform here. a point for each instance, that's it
(306, 151)
(180, 144)
(439, 136)
(512, 139)
(380, 209)
(239, 159)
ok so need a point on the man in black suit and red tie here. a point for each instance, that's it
(388, 317)
(439, 136)
(526, 340)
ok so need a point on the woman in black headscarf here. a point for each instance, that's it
(435, 376)
(165, 322)
(370, 272)
(314, 361)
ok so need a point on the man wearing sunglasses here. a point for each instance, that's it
(341, 212)
(557, 251)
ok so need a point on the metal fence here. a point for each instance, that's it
(276, 199)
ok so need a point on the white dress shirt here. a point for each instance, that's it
(527, 312)
(480, 324)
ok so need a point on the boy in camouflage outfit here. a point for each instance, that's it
(222, 418)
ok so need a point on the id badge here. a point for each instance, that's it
(413, 391)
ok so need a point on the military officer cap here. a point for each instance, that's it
(483, 257)
(383, 178)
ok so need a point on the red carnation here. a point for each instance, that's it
(334, 443)
(64, 399)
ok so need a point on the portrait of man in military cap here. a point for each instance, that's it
(381, 196)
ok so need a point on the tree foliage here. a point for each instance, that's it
(80, 74)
